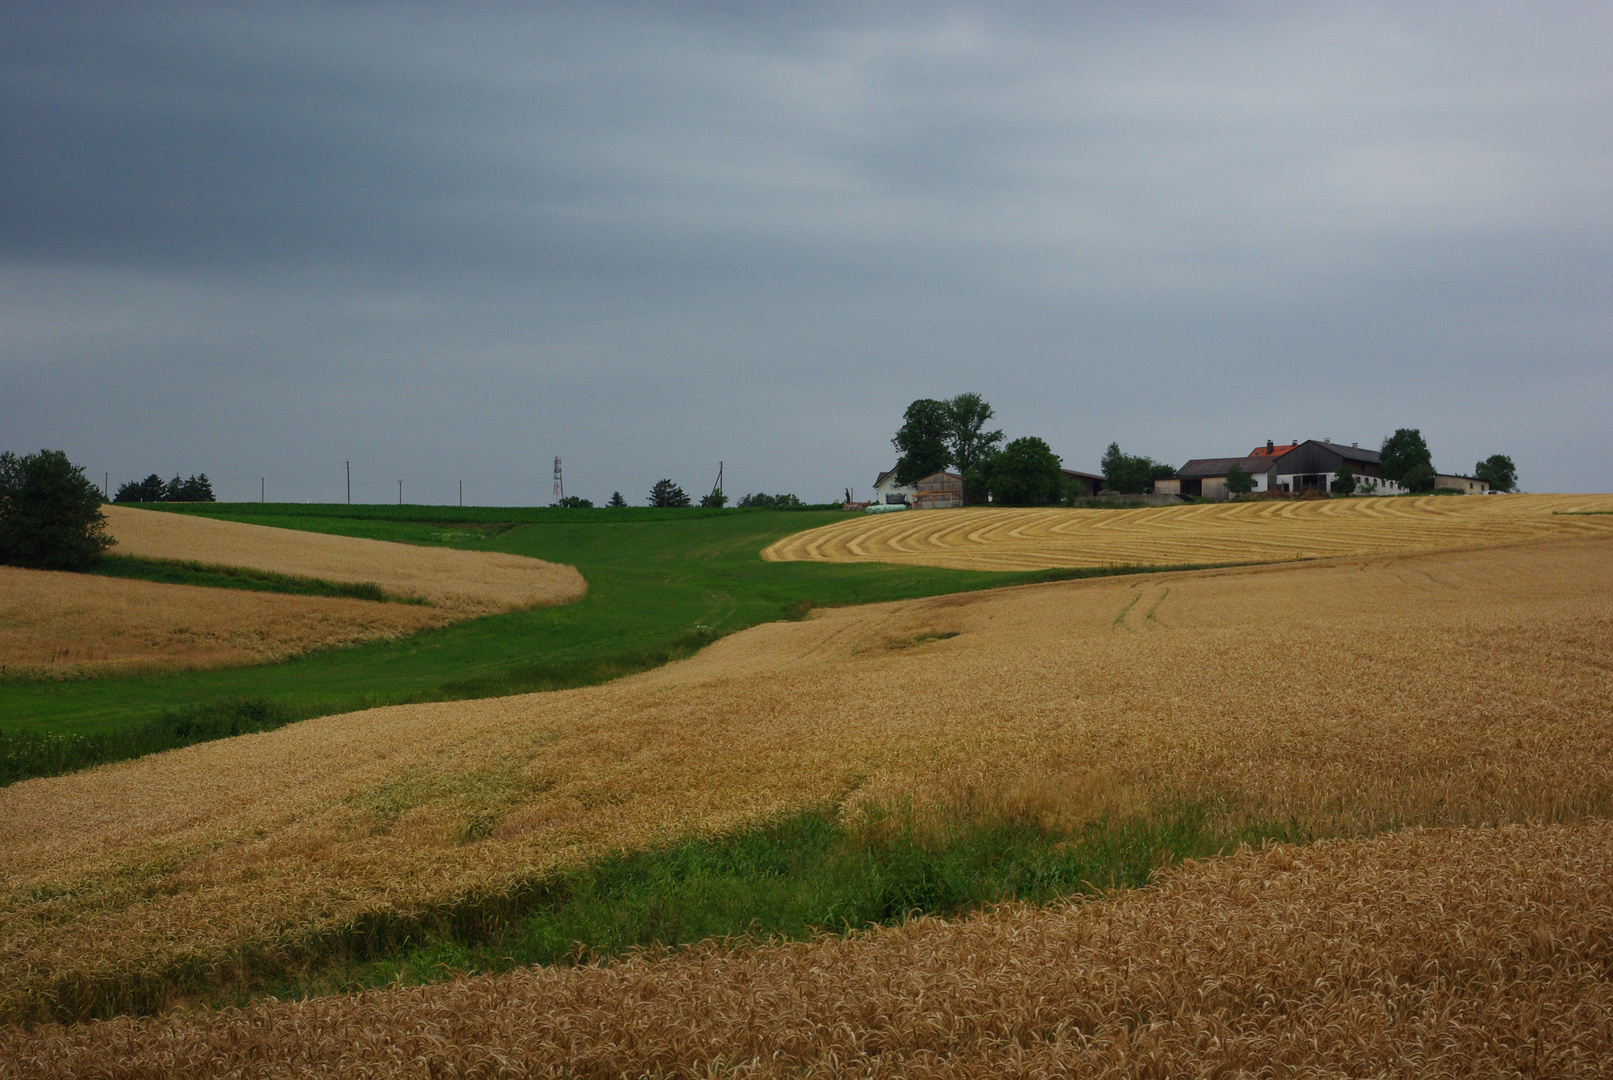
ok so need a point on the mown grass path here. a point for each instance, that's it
(661, 583)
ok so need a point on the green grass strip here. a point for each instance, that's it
(209, 575)
(24, 755)
(788, 878)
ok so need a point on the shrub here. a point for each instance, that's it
(50, 514)
(574, 502)
(1238, 481)
(1025, 473)
(1344, 480)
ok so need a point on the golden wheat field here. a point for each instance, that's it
(68, 625)
(467, 583)
(996, 538)
(1458, 688)
(1472, 952)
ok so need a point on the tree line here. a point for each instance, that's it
(197, 488)
(951, 434)
(665, 493)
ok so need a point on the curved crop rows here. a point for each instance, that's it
(998, 538)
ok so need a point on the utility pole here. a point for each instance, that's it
(263, 486)
(349, 483)
(106, 485)
(462, 493)
(400, 492)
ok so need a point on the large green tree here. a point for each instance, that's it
(1132, 474)
(1405, 459)
(1025, 473)
(50, 513)
(967, 437)
(151, 489)
(666, 493)
(1498, 471)
(923, 441)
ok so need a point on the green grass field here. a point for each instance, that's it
(661, 583)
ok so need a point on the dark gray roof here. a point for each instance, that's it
(1082, 475)
(1349, 453)
(1220, 466)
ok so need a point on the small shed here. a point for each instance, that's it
(937, 491)
(1467, 485)
(1085, 484)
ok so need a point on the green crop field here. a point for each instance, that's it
(660, 584)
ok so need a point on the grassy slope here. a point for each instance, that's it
(654, 577)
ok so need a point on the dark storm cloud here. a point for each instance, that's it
(649, 237)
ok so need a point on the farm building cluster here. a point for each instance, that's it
(1297, 467)
(1291, 468)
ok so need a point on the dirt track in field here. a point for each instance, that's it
(1464, 688)
(999, 538)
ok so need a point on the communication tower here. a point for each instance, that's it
(559, 484)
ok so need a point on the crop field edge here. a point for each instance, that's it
(30, 755)
(915, 864)
(221, 576)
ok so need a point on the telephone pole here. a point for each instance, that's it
(349, 483)
(400, 492)
(263, 486)
(106, 485)
(462, 493)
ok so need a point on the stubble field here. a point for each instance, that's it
(1456, 689)
(996, 538)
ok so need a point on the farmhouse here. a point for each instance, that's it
(887, 490)
(1315, 463)
(936, 491)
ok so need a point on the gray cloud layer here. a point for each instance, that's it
(263, 240)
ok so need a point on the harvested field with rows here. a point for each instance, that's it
(70, 625)
(465, 583)
(992, 538)
(1461, 688)
(1478, 952)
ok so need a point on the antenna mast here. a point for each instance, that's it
(559, 484)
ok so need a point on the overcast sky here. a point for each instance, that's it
(451, 242)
